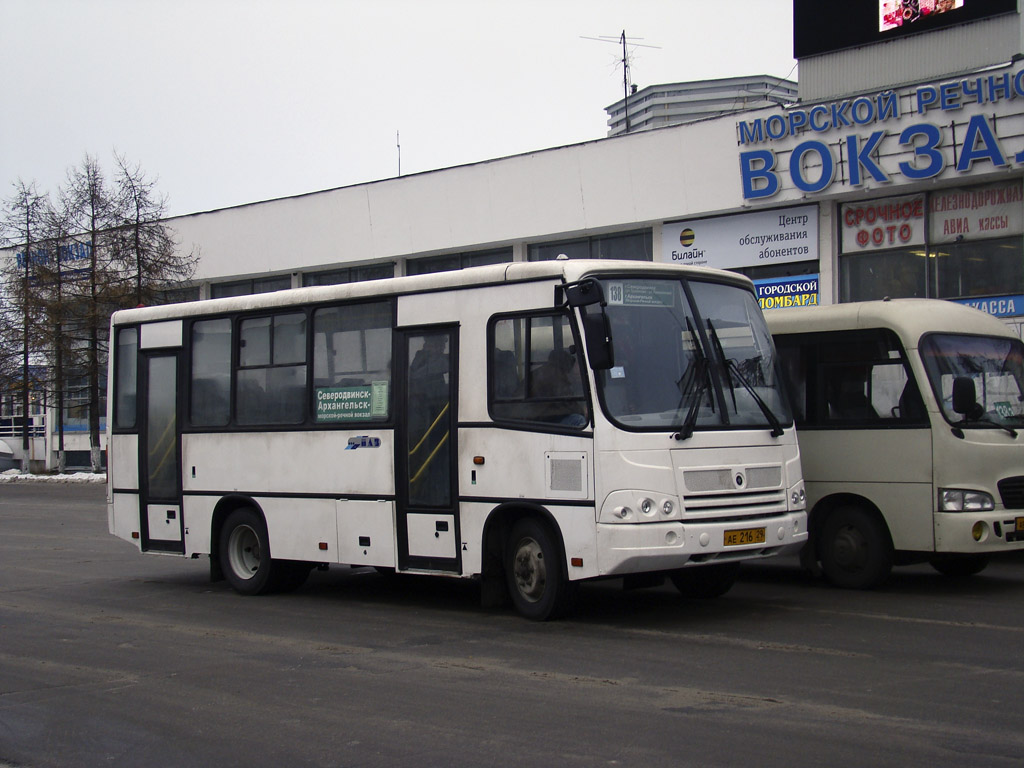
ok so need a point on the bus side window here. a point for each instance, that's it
(271, 378)
(794, 377)
(534, 371)
(210, 393)
(352, 363)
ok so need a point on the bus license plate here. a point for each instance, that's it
(744, 536)
(1020, 525)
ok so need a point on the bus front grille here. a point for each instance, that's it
(1011, 491)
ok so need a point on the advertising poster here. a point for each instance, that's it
(996, 210)
(799, 291)
(745, 240)
(875, 225)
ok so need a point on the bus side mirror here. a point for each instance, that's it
(598, 334)
(965, 399)
(583, 294)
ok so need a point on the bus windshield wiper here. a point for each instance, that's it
(732, 369)
(692, 392)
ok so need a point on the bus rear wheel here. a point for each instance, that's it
(855, 549)
(535, 572)
(245, 553)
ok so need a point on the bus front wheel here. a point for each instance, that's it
(245, 553)
(960, 566)
(535, 572)
(855, 549)
(705, 581)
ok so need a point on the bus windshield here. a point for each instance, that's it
(992, 366)
(689, 365)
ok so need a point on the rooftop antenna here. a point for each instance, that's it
(398, 143)
(625, 41)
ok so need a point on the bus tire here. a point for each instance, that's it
(245, 553)
(535, 571)
(705, 581)
(855, 549)
(959, 566)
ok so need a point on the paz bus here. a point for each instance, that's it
(910, 415)
(532, 425)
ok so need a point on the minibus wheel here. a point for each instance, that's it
(705, 581)
(959, 566)
(855, 549)
(245, 552)
(535, 571)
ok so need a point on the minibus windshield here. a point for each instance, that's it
(978, 380)
(683, 364)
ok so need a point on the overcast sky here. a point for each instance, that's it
(232, 101)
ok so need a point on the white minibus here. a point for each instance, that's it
(532, 425)
(910, 417)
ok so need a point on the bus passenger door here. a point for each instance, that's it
(161, 526)
(426, 451)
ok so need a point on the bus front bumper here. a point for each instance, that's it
(979, 532)
(643, 547)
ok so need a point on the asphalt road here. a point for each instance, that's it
(112, 658)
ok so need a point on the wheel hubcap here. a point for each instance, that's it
(850, 548)
(244, 551)
(529, 570)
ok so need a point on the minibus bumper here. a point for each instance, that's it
(642, 547)
(979, 532)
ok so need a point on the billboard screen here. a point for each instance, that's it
(820, 26)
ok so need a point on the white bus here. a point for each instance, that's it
(908, 413)
(530, 424)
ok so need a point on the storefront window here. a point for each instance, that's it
(982, 268)
(973, 245)
(634, 246)
(898, 274)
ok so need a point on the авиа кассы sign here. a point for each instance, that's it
(916, 134)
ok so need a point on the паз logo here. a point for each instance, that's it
(362, 441)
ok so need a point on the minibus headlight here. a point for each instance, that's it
(959, 500)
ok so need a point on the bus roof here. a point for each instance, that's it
(909, 318)
(559, 270)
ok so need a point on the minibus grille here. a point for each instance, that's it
(734, 505)
(1011, 491)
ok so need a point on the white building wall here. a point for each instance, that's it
(608, 184)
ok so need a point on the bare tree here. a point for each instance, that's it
(58, 275)
(93, 213)
(147, 253)
(22, 224)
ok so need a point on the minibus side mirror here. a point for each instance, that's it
(583, 294)
(965, 399)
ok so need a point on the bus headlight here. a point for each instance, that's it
(798, 497)
(959, 500)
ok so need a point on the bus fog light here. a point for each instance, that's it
(979, 530)
(705, 539)
(782, 533)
